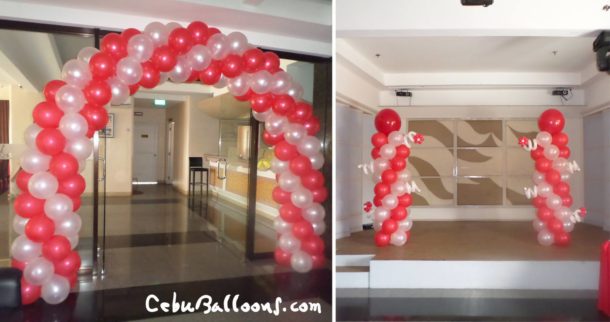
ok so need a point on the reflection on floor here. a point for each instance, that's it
(156, 244)
(465, 305)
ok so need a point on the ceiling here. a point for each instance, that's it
(476, 54)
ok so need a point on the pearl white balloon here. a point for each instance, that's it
(568, 226)
(262, 116)
(34, 161)
(158, 33)
(73, 126)
(120, 91)
(281, 83)
(23, 249)
(70, 98)
(239, 85)
(545, 238)
(73, 239)
(309, 146)
(314, 213)
(551, 152)
(55, 290)
(405, 175)
(171, 26)
(544, 189)
(538, 177)
(377, 225)
(544, 138)
(140, 47)
(396, 138)
(565, 176)
(76, 72)
(288, 242)
(31, 132)
(80, 147)
(295, 91)
(398, 238)
(281, 226)
(222, 82)
(560, 164)
(302, 198)
(538, 224)
(278, 166)
(275, 124)
(554, 202)
(42, 185)
(563, 213)
(289, 181)
(69, 225)
(19, 224)
(58, 207)
(294, 133)
(301, 262)
(405, 225)
(238, 43)
(387, 151)
(390, 201)
(381, 214)
(317, 161)
(219, 48)
(399, 188)
(260, 82)
(86, 53)
(129, 70)
(319, 227)
(82, 165)
(380, 165)
(38, 271)
(200, 57)
(181, 71)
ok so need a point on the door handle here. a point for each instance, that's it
(220, 161)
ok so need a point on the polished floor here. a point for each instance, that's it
(157, 243)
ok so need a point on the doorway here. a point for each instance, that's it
(145, 153)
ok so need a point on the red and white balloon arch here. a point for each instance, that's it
(59, 142)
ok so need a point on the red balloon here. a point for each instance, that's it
(245, 97)
(319, 194)
(128, 33)
(313, 179)
(543, 164)
(39, 228)
(301, 113)
(57, 248)
(398, 164)
(51, 88)
(389, 226)
(164, 59)
(150, 75)
(318, 260)
(405, 200)
(232, 66)
(562, 239)
(562, 189)
(76, 203)
(313, 245)
(47, 115)
(90, 132)
(102, 66)
(551, 121)
(382, 239)
(261, 102)
(211, 74)
(96, 116)
(72, 186)
(312, 125)
(539, 202)
(17, 264)
(283, 105)
(564, 152)
(272, 140)
(69, 265)
(98, 92)
(133, 88)
(300, 165)
(212, 31)
(560, 139)
(194, 76)
(290, 213)
(555, 225)
(50, 141)
(399, 213)
(22, 179)
(180, 40)
(199, 32)
(377, 201)
(389, 176)
(379, 139)
(403, 151)
(381, 189)
(280, 196)
(254, 60)
(544, 214)
(29, 293)
(567, 201)
(537, 153)
(63, 165)
(114, 45)
(282, 257)
(302, 229)
(285, 151)
(375, 154)
(553, 177)
(387, 121)
(272, 62)
(27, 206)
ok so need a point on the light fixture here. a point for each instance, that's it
(160, 102)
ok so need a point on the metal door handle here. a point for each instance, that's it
(103, 177)
(225, 169)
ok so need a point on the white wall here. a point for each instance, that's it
(203, 132)
(156, 117)
(180, 115)
(119, 152)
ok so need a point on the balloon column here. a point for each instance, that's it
(59, 142)
(393, 181)
(551, 193)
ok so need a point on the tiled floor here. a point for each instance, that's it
(156, 244)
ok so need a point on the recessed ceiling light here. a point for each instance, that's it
(160, 102)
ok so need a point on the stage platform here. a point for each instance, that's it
(471, 255)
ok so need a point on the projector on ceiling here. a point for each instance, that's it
(484, 3)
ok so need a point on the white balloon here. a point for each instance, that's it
(238, 43)
(80, 147)
(538, 224)
(294, 133)
(387, 151)
(545, 238)
(568, 226)
(239, 85)
(200, 57)
(34, 161)
(275, 123)
(319, 227)
(309, 146)
(399, 188)
(23, 249)
(31, 132)
(317, 161)
(538, 177)
(19, 224)
(405, 225)
(73, 126)
(278, 166)
(70, 98)
(70, 225)
(563, 213)
(396, 138)
(405, 175)
(560, 164)
(288, 242)
(381, 214)
(38, 271)
(42, 185)
(281, 83)
(301, 262)
(171, 26)
(73, 239)
(551, 152)
(295, 90)
(55, 290)
(281, 226)
(86, 53)
(158, 33)
(260, 82)
(554, 202)
(302, 198)
(390, 201)
(141, 47)
(544, 138)
(120, 91)
(129, 70)
(315, 213)
(181, 71)
(219, 48)
(544, 189)
(222, 82)
(76, 72)
(58, 207)
(398, 238)
(262, 116)
(289, 181)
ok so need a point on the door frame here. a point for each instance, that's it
(169, 152)
(155, 129)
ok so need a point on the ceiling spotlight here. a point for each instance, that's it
(484, 3)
